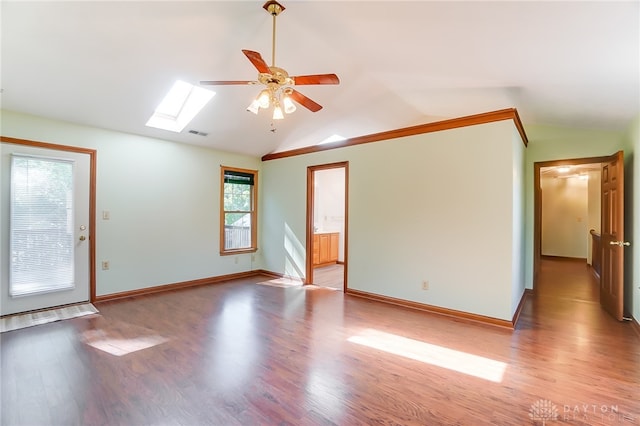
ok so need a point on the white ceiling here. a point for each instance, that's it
(108, 64)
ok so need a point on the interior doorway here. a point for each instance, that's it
(611, 220)
(571, 213)
(327, 225)
(547, 169)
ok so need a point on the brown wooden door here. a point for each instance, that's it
(612, 231)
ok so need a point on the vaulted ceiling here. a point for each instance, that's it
(108, 64)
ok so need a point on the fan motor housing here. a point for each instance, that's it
(277, 76)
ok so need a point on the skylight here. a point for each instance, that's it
(179, 106)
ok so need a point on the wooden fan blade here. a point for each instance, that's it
(226, 83)
(257, 61)
(305, 101)
(316, 79)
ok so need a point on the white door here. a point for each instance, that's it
(44, 227)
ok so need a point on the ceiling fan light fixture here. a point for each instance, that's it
(277, 112)
(289, 106)
(254, 106)
(277, 81)
(263, 98)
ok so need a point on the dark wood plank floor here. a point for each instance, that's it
(240, 353)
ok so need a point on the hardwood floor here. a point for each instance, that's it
(239, 353)
(331, 276)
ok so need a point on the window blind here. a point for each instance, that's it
(240, 178)
(41, 225)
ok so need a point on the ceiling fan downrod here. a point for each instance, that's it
(274, 8)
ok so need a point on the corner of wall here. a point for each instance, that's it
(632, 199)
(518, 283)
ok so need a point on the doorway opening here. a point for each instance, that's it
(570, 213)
(51, 231)
(609, 256)
(557, 177)
(327, 225)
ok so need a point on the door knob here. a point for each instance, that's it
(620, 243)
(82, 238)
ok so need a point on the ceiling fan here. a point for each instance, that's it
(278, 92)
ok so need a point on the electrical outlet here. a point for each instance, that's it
(425, 285)
(105, 265)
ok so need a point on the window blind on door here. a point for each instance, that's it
(41, 225)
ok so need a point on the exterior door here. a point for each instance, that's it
(612, 231)
(45, 228)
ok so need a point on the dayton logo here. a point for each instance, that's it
(543, 410)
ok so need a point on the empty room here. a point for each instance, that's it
(319, 213)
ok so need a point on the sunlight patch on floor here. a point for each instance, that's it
(312, 287)
(282, 282)
(119, 338)
(120, 347)
(461, 362)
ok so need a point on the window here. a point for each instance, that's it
(238, 222)
(41, 225)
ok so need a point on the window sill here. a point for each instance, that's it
(238, 251)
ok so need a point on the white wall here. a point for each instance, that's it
(565, 230)
(547, 143)
(163, 199)
(436, 207)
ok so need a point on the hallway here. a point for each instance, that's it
(567, 297)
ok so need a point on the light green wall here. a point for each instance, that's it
(163, 198)
(436, 207)
(518, 203)
(548, 143)
(632, 231)
(151, 240)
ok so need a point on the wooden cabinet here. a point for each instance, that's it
(316, 249)
(325, 248)
(334, 242)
